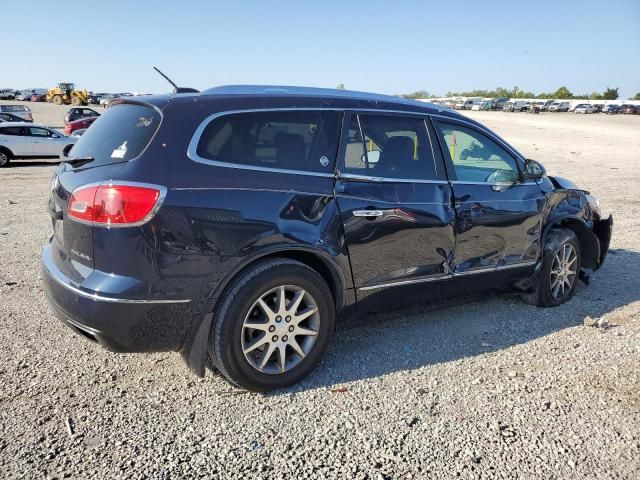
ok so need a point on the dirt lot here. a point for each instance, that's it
(480, 387)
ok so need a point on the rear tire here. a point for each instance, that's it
(558, 277)
(57, 100)
(259, 343)
(5, 158)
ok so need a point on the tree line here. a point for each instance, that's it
(561, 93)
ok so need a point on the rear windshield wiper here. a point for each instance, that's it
(77, 161)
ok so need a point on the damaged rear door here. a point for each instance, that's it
(498, 213)
(396, 204)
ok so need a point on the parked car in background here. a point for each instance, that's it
(584, 108)
(560, 107)
(543, 105)
(515, 106)
(239, 224)
(24, 95)
(598, 107)
(94, 98)
(10, 117)
(611, 109)
(629, 109)
(71, 127)
(39, 95)
(21, 111)
(19, 141)
(79, 132)
(467, 104)
(106, 99)
(498, 103)
(7, 94)
(76, 113)
(485, 105)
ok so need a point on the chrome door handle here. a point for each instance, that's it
(368, 213)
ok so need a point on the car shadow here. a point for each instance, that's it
(33, 163)
(374, 345)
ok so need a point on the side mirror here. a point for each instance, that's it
(533, 170)
(55, 136)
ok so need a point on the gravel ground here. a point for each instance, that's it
(475, 387)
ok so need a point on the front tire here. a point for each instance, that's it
(560, 269)
(274, 325)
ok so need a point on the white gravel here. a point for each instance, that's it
(479, 387)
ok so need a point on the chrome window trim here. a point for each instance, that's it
(372, 179)
(195, 139)
(192, 149)
(447, 276)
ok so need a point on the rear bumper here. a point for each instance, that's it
(118, 324)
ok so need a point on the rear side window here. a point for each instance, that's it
(119, 135)
(16, 131)
(293, 140)
(393, 147)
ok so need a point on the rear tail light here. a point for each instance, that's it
(117, 205)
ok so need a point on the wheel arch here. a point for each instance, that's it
(194, 347)
(589, 242)
(7, 151)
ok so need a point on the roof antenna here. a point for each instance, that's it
(176, 88)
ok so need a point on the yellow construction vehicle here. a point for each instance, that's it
(66, 93)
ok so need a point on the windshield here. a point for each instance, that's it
(118, 135)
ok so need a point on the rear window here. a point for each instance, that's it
(119, 135)
(292, 140)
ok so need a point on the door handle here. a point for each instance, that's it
(368, 213)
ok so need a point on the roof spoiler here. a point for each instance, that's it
(176, 88)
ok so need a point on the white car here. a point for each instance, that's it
(20, 140)
(7, 94)
(584, 108)
(559, 107)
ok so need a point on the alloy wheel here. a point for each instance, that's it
(280, 329)
(564, 271)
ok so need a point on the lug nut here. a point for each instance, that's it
(278, 318)
(288, 319)
(274, 338)
(285, 338)
(291, 328)
(272, 328)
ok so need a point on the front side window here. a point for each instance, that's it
(39, 132)
(389, 146)
(477, 158)
(292, 140)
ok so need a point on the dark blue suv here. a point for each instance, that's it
(238, 223)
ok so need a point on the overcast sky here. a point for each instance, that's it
(387, 47)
